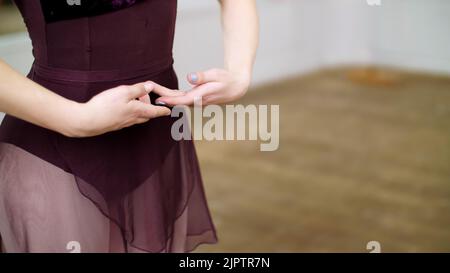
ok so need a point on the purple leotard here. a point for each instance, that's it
(132, 190)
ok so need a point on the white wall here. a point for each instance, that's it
(298, 36)
(413, 34)
(15, 49)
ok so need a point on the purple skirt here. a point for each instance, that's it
(132, 190)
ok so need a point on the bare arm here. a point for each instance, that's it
(108, 111)
(27, 100)
(240, 29)
(217, 86)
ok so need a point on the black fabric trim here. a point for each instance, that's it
(59, 10)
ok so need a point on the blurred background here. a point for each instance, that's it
(364, 95)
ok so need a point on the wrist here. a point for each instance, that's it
(243, 77)
(75, 120)
(241, 67)
(244, 71)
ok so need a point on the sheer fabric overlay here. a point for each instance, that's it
(43, 209)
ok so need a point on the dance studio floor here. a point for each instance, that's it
(358, 161)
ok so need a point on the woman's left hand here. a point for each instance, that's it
(214, 86)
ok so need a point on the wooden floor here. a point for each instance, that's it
(357, 162)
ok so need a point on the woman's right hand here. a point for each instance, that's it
(114, 109)
(110, 110)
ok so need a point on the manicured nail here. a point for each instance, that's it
(193, 77)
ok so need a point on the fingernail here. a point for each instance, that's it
(160, 103)
(193, 77)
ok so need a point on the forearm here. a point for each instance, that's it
(22, 98)
(241, 29)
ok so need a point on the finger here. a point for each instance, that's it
(212, 75)
(189, 98)
(166, 92)
(157, 111)
(139, 90)
(151, 111)
(145, 99)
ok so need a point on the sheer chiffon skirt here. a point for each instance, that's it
(134, 190)
(42, 209)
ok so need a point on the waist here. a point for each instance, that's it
(91, 76)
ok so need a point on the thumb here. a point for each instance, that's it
(139, 90)
(212, 75)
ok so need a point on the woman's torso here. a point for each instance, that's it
(79, 57)
(131, 37)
